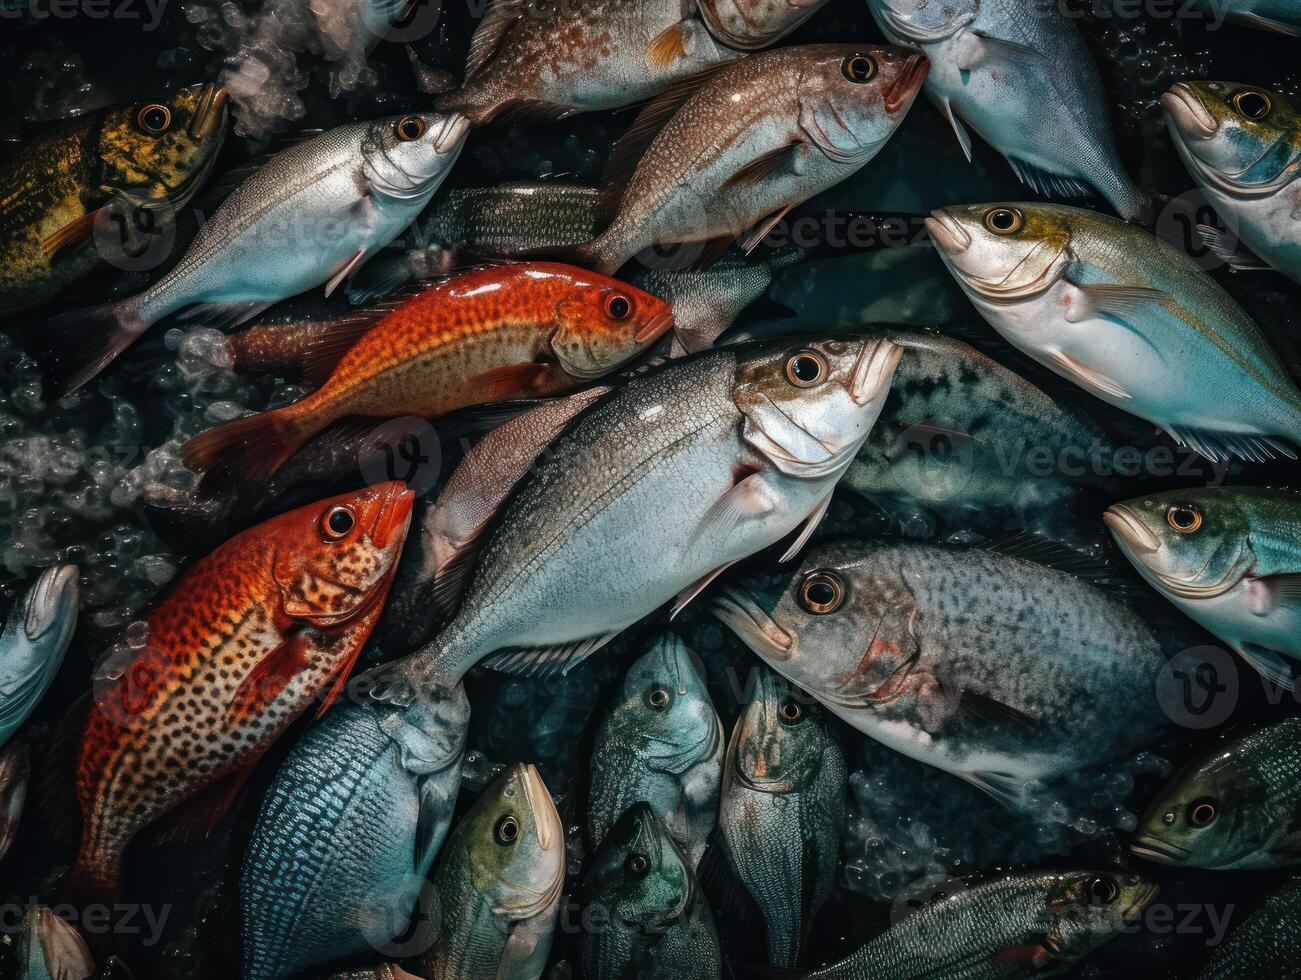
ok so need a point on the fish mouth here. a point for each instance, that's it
(655, 327)
(874, 371)
(904, 89)
(947, 233)
(1189, 113)
(1141, 901)
(394, 512)
(545, 818)
(736, 609)
(210, 113)
(452, 132)
(1158, 851)
(1130, 531)
(54, 594)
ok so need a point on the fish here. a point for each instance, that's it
(1279, 16)
(250, 635)
(103, 186)
(1264, 943)
(660, 743)
(1242, 144)
(50, 948)
(982, 663)
(552, 59)
(741, 146)
(783, 810)
(385, 971)
(15, 774)
(1231, 808)
(506, 331)
(1021, 76)
(343, 876)
(647, 914)
(498, 883)
(1035, 924)
(1128, 318)
(964, 435)
(1227, 557)
(748, 25)
(732, 449)
(310, 215)
(35, 638)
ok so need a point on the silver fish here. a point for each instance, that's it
(35, 638)
(1019, 74)
(750, 142)
(732, 450)
(311, 214)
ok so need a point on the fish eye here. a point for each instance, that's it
(507, 831)
(618, 306)
(154, 118)
(1102, 891)
(1253, 104)
(822, 593)
(1202, 813)
(791, 712)
(858, 68)
(410, 128)
(806, 369)
(636, 865)
(1004, 221)
(1184, 518)
(337, 522)
(658, 698)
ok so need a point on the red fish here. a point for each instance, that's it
(251, 635)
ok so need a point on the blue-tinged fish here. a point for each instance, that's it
(348, 832)
(50, 948)
(1280, 16)
(1020, 75)
(1267, 943)
(35, 638)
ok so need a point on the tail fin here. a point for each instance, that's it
(76, 346)
(379, 279)
(247, 451)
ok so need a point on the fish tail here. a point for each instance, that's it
(74, 347)
(247, 451)
(88, 890)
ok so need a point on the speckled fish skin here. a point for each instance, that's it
(561, 58)
(35, 638)
(963, 434)
(924, 634)
(1237, 572)
(1128, 318)
(568, 562)
(660, 743)
(748, 25)
(1027, 925)
(348, 832)
(306, 215)
(50, 948)
(783, 810)
(1248, 166)
(1267, 943)
(1021, 76)
(650, 920)
(797, 108)
(1281, 16)
(249, 637)
(15, 772)
(498, 898)
(1250, 784)
(79, 166)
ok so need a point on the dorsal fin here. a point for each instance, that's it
(501, 14)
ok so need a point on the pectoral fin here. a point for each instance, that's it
(785, 158)
(266, 680)
(75, 235)
(1122, 302)
(546, 661)
(1270, 665)
(959, 130)
(1229, 250)
(749, 498)
(810, 525)
(1086, 375)
(1274, 592)
(668, 46)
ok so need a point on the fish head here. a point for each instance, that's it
(1083, 910)
(1003, 253)
(923, 21)
(333, 560)
(639, 876)
(48, 612)
(853, 97)
(160, 153)
(808, 407)
(748, 25)
(1240, 138)
(1189, 544)
(1214, 813)
(601, 323)
(778, 739)
(50, 946)
(513, 845)
(666, 715)
(407, 157)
